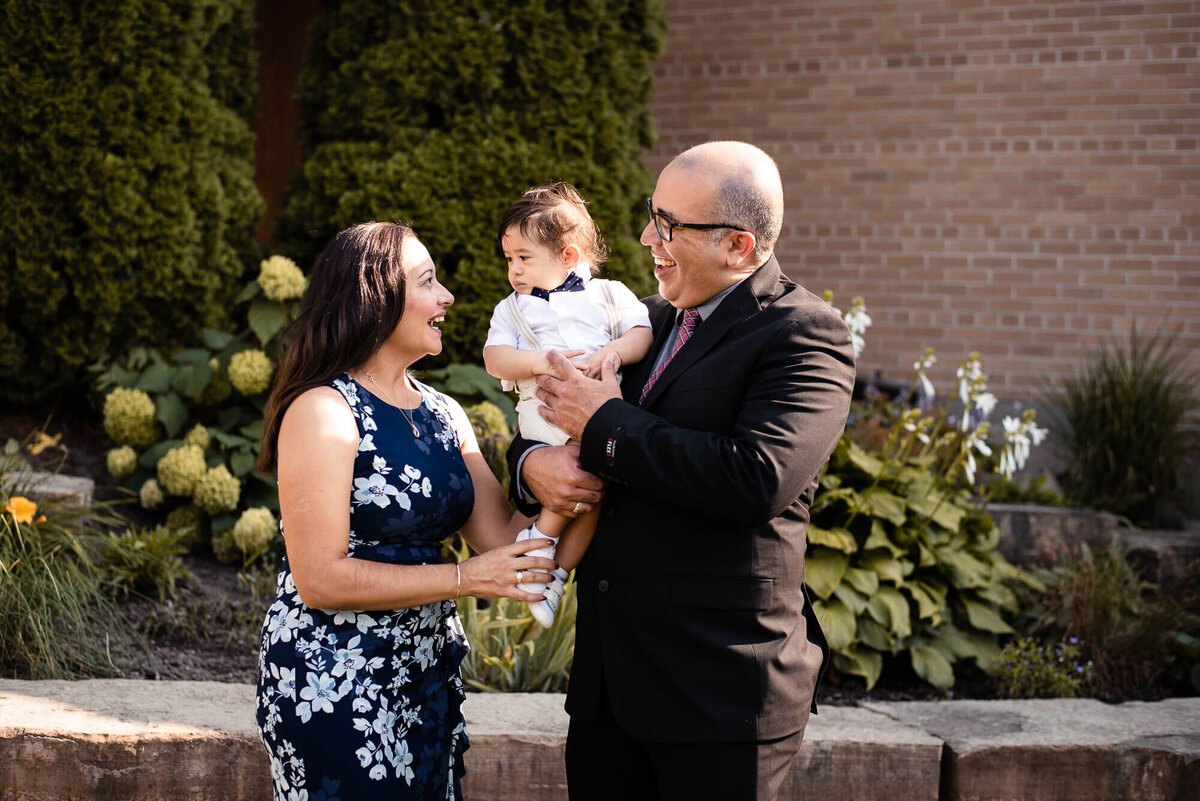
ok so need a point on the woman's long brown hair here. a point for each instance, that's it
(353, 301)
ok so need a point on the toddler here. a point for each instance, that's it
(552, 247)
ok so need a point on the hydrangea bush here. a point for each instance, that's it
(187, 425)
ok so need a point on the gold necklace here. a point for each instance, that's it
(411, 423)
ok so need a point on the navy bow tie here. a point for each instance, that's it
(573, 284)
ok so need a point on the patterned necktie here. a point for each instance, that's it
(690, 318)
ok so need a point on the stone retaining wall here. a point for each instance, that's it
(151, 741)
(1035, 536)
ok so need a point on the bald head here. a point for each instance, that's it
(747, 191)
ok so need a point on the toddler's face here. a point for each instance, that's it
(530, 264)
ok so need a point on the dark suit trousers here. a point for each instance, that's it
(605, 763)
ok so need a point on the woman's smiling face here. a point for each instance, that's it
(425, 303)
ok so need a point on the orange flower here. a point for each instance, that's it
(22, 509)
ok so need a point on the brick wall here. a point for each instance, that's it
(1017, 178)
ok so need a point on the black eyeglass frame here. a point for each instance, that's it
(655, 217)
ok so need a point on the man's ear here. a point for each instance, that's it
(571, 255)
(741, 245)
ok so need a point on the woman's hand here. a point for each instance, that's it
(494, 574)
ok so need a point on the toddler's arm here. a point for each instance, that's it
(632, 346)
(507, 363)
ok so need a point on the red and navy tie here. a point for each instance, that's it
(686, 327)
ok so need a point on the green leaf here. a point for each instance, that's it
(962, 569)
(171, 412)
(253, 431)
(875, 635)
(836, 538)
(217, 340)
(241, 462)
(985, 617)
(191, 379)
(864, 461)
(192, 356)
(885, 566)
(151, 455)
(266, 319)
(944, 511)
(860, 662)
(248, 291)
(890, 609)
(881, 503)
(865, 581)
(823, 569)
(880, 539)
(998, 595)
(156, 378)
(837, 622)
(224, 520)
(927, 604)
(951, 640)
(932, 666)
(229, 440)
(855, 600)
(228, 417)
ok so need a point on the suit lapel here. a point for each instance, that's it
(761, 288)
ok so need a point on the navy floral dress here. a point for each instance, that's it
(367, 704)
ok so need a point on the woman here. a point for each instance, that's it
(358, 693)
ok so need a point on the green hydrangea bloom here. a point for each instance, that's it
(180, 469)
(280, 278)
(218, 491)
(186, 516)
(198, 436)
(218, 389)
(129, 416)
(224, 547)
(254, 530)
(188, 521)
(122, 462)
(150, 495)
(487, 420)
(250, 371)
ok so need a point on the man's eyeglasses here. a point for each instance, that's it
(666, 228)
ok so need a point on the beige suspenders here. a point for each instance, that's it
(526, 333)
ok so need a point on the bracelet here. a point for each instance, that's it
(458, 582)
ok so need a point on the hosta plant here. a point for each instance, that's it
(510, 651)
(902, 557)
(186, 425)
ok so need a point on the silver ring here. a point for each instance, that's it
(578, 507)
(520, 576)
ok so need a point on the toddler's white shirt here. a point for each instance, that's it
(569, 320)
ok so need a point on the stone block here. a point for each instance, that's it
(1035, 536)
(132, 740)
(855, 754)
(1062, 749)
(53, 487)
(518, 743)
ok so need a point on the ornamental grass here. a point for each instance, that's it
(56, 622)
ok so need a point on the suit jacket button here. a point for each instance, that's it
(608, 513)
(602, 585)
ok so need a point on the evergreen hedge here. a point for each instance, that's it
(441, 114)
(127, 154)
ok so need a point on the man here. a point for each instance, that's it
(697, 654)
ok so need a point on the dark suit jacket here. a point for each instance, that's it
(692, 610)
